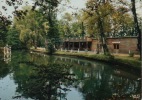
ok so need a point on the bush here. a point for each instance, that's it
(131, 54)
(50, 48)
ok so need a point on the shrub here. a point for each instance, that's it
(131, 54)
(51, 48)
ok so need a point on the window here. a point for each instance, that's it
(116, 46)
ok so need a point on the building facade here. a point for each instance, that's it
(115, 45)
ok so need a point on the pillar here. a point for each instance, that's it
(79, 45)
(73, 46)
(68, 45)
(86, 45)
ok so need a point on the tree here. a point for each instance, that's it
(3, 34)
(121, 23)
(65, 25)
(136, 25)
(78, 28)
(105, 19)
(71, 25)
(4, 24)
(31, 33)
(132, 8)
(50, 11)
(98, 12)
(13, 39)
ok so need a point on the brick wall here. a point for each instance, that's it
(126, 44)
(94, 44)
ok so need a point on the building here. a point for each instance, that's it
(115, 45)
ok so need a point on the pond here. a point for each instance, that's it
(34, 76)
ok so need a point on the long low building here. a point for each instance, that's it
(115, 45)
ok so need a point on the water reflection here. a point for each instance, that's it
(4, 69)
(45, 82)
(98, 81)
(42, 77)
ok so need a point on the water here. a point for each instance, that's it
(33, 76)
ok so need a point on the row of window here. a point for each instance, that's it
(115, 45)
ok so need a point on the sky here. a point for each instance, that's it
(10, 9)
(71, 7)
(73, 3)
(76, 4)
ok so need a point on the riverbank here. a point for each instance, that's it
(116, 59)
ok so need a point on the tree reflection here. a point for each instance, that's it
(46, 82)
(4, 69)
(51, 77)
(102, 83)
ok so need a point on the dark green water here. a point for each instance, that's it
(32, 76)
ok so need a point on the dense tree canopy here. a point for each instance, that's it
(13, 39)
(32, 33)
(3, 34)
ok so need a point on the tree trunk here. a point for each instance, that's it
(102, 35)
(136, 26)
(35, 44)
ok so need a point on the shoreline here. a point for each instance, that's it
(127, 62)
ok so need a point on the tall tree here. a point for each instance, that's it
(4, 24)
(13, 40)
(132, 7)
(71, 25)
(49, 9)
(65, 25)
(31, 33)
(121, 23)
(99, 10)
(136, 26)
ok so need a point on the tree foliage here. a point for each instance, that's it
(32, 33)
(104, 19)
(13, 39)
(131, 5)
(71, 25)
(3, 34)
(98, 14)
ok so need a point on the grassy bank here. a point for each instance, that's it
(125, 61)
(116, 60)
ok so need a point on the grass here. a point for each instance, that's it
(116, 59)
(119, 59)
